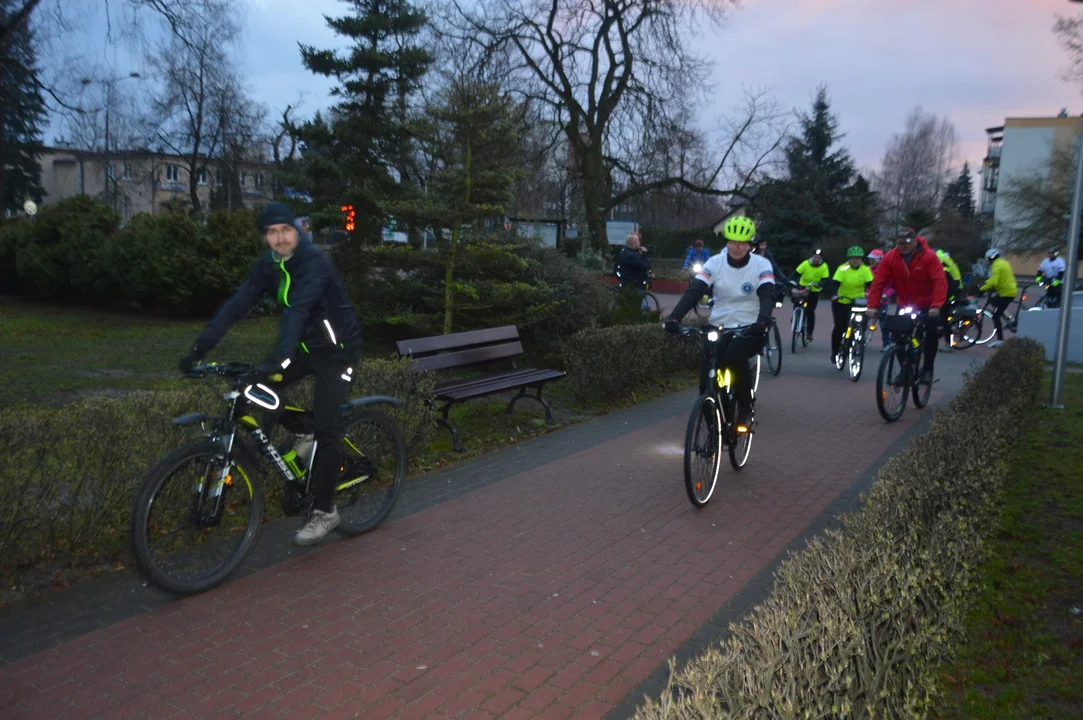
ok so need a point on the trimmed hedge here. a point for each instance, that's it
(859, 622)
(69, 476)
(74, 251)
(614, 361)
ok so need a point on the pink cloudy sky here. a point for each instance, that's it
(976, 61)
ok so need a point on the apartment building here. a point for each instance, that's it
(1019, 148)
(145, 182)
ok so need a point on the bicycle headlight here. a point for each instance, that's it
(712, 336)
(697, 267)
(262, 395)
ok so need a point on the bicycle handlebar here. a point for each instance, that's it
(738, 331)
(236, 370)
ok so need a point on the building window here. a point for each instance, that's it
(126, 171)
(201, 176)
(259, 181)
(172, 173)
(244, 180)
(220, 178)
(111, 171)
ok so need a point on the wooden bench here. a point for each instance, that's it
(471, 350)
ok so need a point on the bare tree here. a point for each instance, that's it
(1038, 204)
(199, 91)
(611, 74)
(916, 169)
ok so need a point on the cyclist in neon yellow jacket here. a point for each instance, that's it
(955, 286)
(809, 274)
(1002, 283)
(853, 279)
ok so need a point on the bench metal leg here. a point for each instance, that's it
(522, 394)
(456, 444)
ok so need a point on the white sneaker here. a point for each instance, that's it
(317, 527)
(996, 343)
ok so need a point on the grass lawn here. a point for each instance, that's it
(1023, 656)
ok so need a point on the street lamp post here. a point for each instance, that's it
(108, 82)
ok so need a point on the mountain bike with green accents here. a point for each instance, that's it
(200, 509)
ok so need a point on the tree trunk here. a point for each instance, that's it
(456, 233)
(596, 196)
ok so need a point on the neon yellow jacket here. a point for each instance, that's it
(852, 282)
(809, 273)
(1001, 279)
(950, 266)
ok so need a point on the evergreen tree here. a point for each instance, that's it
(356, 156)
(474, 136)
(22, 114)
(959, 195)
(822, 199)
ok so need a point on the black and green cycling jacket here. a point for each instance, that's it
(317, 313)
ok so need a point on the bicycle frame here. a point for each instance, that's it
(719, 381)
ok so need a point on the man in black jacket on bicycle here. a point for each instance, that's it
(320, 335)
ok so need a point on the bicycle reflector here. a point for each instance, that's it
(262, 395)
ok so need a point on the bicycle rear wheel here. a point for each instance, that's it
(650, 303)
(773, 349)
(185, 539)
(373, 470)
(891, 396)
(986, 329)
(702, 454)
(965, 332)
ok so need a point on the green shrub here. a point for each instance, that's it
(614, 361)
(400, 290)
(69, 476)
(859, 621)
(61, 258)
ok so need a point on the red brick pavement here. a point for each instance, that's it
(551, 594)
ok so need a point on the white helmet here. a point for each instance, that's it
(992, 254)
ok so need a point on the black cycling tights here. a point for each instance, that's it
(735, 355)
(1002, 304)
(810, 312)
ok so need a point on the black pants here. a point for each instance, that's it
(810, 320)
(841, 314)
(933, 331)
(1001, 305)
(945, 313)
(734, 355)
(331, 368)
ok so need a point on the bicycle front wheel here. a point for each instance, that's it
(773, 347)
(797, 325)
(197, 515)
(855, 360)
(891, 395)
(740, 448)
(650, 303)
(702, 454)
(373, 470)
(921, 391)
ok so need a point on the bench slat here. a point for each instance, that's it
(473, 356)
(457, 383)
(499, 385)
(455, 341)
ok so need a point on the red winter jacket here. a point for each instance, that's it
(920, 285)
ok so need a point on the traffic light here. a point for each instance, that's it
(348, 213)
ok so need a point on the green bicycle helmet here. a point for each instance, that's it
(855, 252)
(739, 229)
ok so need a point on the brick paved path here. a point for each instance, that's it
(551, 593)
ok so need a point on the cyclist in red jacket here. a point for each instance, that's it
(917, 275)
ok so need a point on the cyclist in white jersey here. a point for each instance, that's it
(743, 287)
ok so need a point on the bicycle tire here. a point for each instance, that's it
(920, 392)
(964, 333)
(149, 491)
(703, 427)
(883, 383)
(855, 360)
(740, 449)
(394, 475)
(983, 317)
(756, 374)
(797, 325)
(774, 359)
(651, 301)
